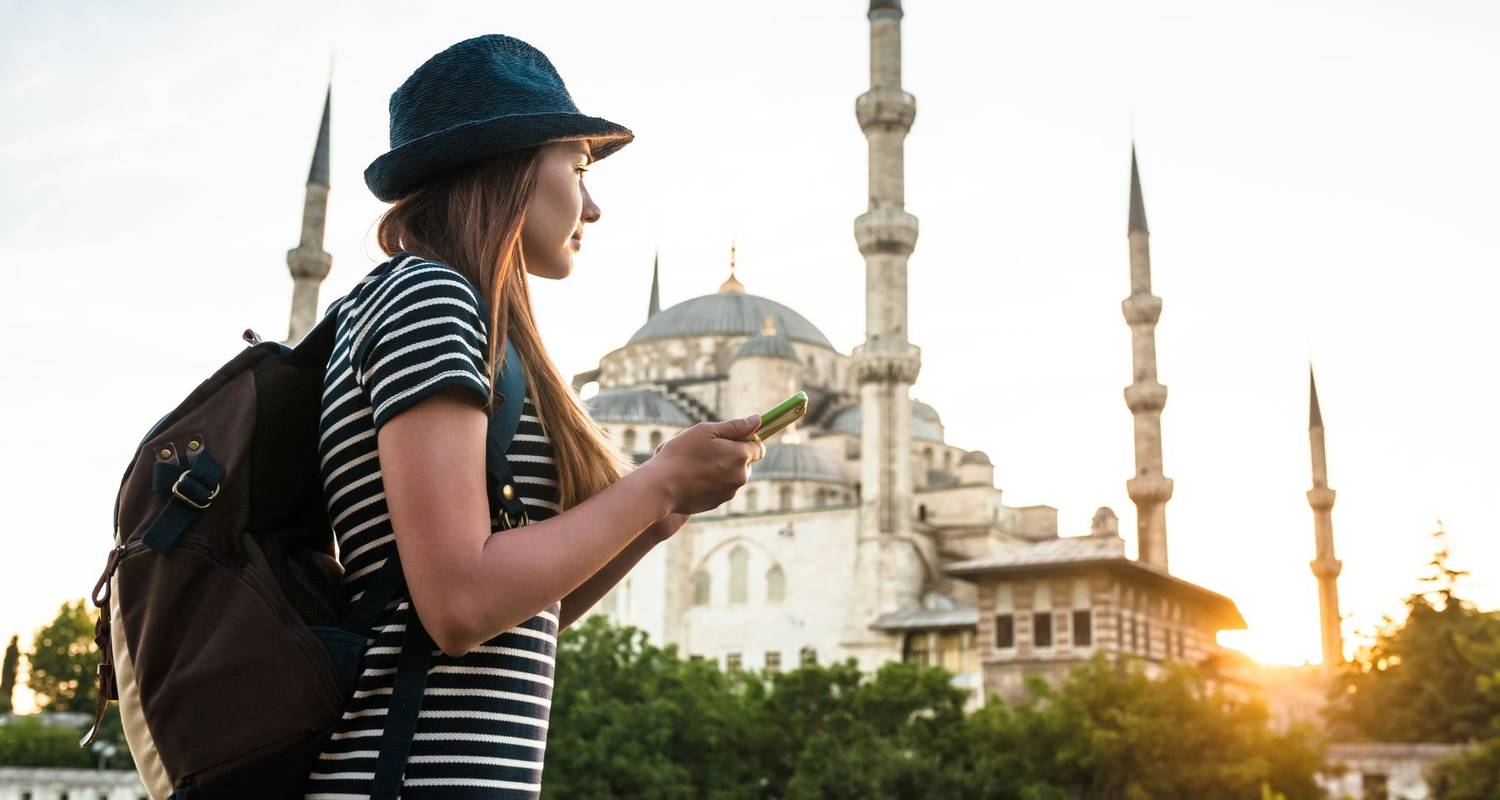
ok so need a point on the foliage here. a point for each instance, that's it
(8, 674)
(1429, 678)
(63, 661)
(1112, 732)
(25, 741)
(633, 720)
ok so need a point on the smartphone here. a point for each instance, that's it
(783, 414)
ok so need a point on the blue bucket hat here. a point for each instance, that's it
(480, 97)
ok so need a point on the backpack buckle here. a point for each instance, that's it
(523, 519)
(177, 492)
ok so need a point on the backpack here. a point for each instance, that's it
(224, 631)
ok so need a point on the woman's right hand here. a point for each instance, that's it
(702, 467)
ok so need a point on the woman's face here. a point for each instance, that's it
(561, 205)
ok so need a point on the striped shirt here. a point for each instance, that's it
(409, 329)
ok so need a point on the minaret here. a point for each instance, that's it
(655, 288)
(308, 261)
(888, 570)
(1325, 566)
(1149, 489)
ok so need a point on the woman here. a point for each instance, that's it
(486, 179)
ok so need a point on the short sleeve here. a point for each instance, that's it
(423, 331)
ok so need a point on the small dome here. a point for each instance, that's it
(767, 347)
(636, 405)
(975, 457)
(768, 344)
(795, 461)
(727, 314)
(924, 427)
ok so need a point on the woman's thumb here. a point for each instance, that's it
(739, 428)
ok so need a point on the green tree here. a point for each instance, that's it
(1110, 732)
(27, 742)
(630, 719)
(1423, 679)
(63, 661)
(8, 674)
(633, 720)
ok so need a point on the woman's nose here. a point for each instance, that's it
(590, 210)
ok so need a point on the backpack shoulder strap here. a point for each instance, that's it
(502, 429)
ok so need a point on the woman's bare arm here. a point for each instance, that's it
(597, 585)
(467, 585)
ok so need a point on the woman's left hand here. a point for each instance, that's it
(662, 529)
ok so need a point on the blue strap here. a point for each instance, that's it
(512, 380)
(502, 429)
(191, 492)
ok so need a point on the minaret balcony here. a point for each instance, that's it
(1326, 567)
(1141, 309)
(886, 230)
(1145, 397)
(1321, 498)
(885, 108)
(887, 367)
(1149, 489)
(308, 264)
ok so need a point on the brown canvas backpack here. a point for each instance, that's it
(224, 632)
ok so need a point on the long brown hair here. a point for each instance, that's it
(471, 220)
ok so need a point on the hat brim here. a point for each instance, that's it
(398, 171)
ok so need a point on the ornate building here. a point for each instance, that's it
(864, 533)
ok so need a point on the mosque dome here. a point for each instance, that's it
(727, 314)
(975, 457)
(924, 421)
(769, 344)
(640, 406)
(797, 462)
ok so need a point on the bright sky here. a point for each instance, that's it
(1320, 180)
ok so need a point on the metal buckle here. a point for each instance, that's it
(190, 501)
(511, 523)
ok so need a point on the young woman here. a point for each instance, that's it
(486, 179)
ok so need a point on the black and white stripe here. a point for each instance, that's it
(411, 328)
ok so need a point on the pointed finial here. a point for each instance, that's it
(1314, 412)
(318, 173)
(1137, 202)
(655, 287)
(732, 284)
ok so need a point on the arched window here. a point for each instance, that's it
(927, 457)
(775, 585)
(947, 460)
(655, 440)
(786, 498)
(629, 441)
(700, 588)
(809, 656)
(820, 498)
(750, 500)
(922, 512)
(739, 574)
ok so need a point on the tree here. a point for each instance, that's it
(64, 661)
(28, 742)
(1422, 680)
(1110, 732)
(633, 720)
(8, 674)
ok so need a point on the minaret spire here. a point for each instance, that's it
(655, 287)
(889, 574)
(1325, 567)
(1149, 489)
(308, 261)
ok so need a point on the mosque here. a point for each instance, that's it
(865, 533)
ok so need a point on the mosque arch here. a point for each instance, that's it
(739, 574)
(775, 584)
(655, 440)
(629, 441)
(701, 587)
